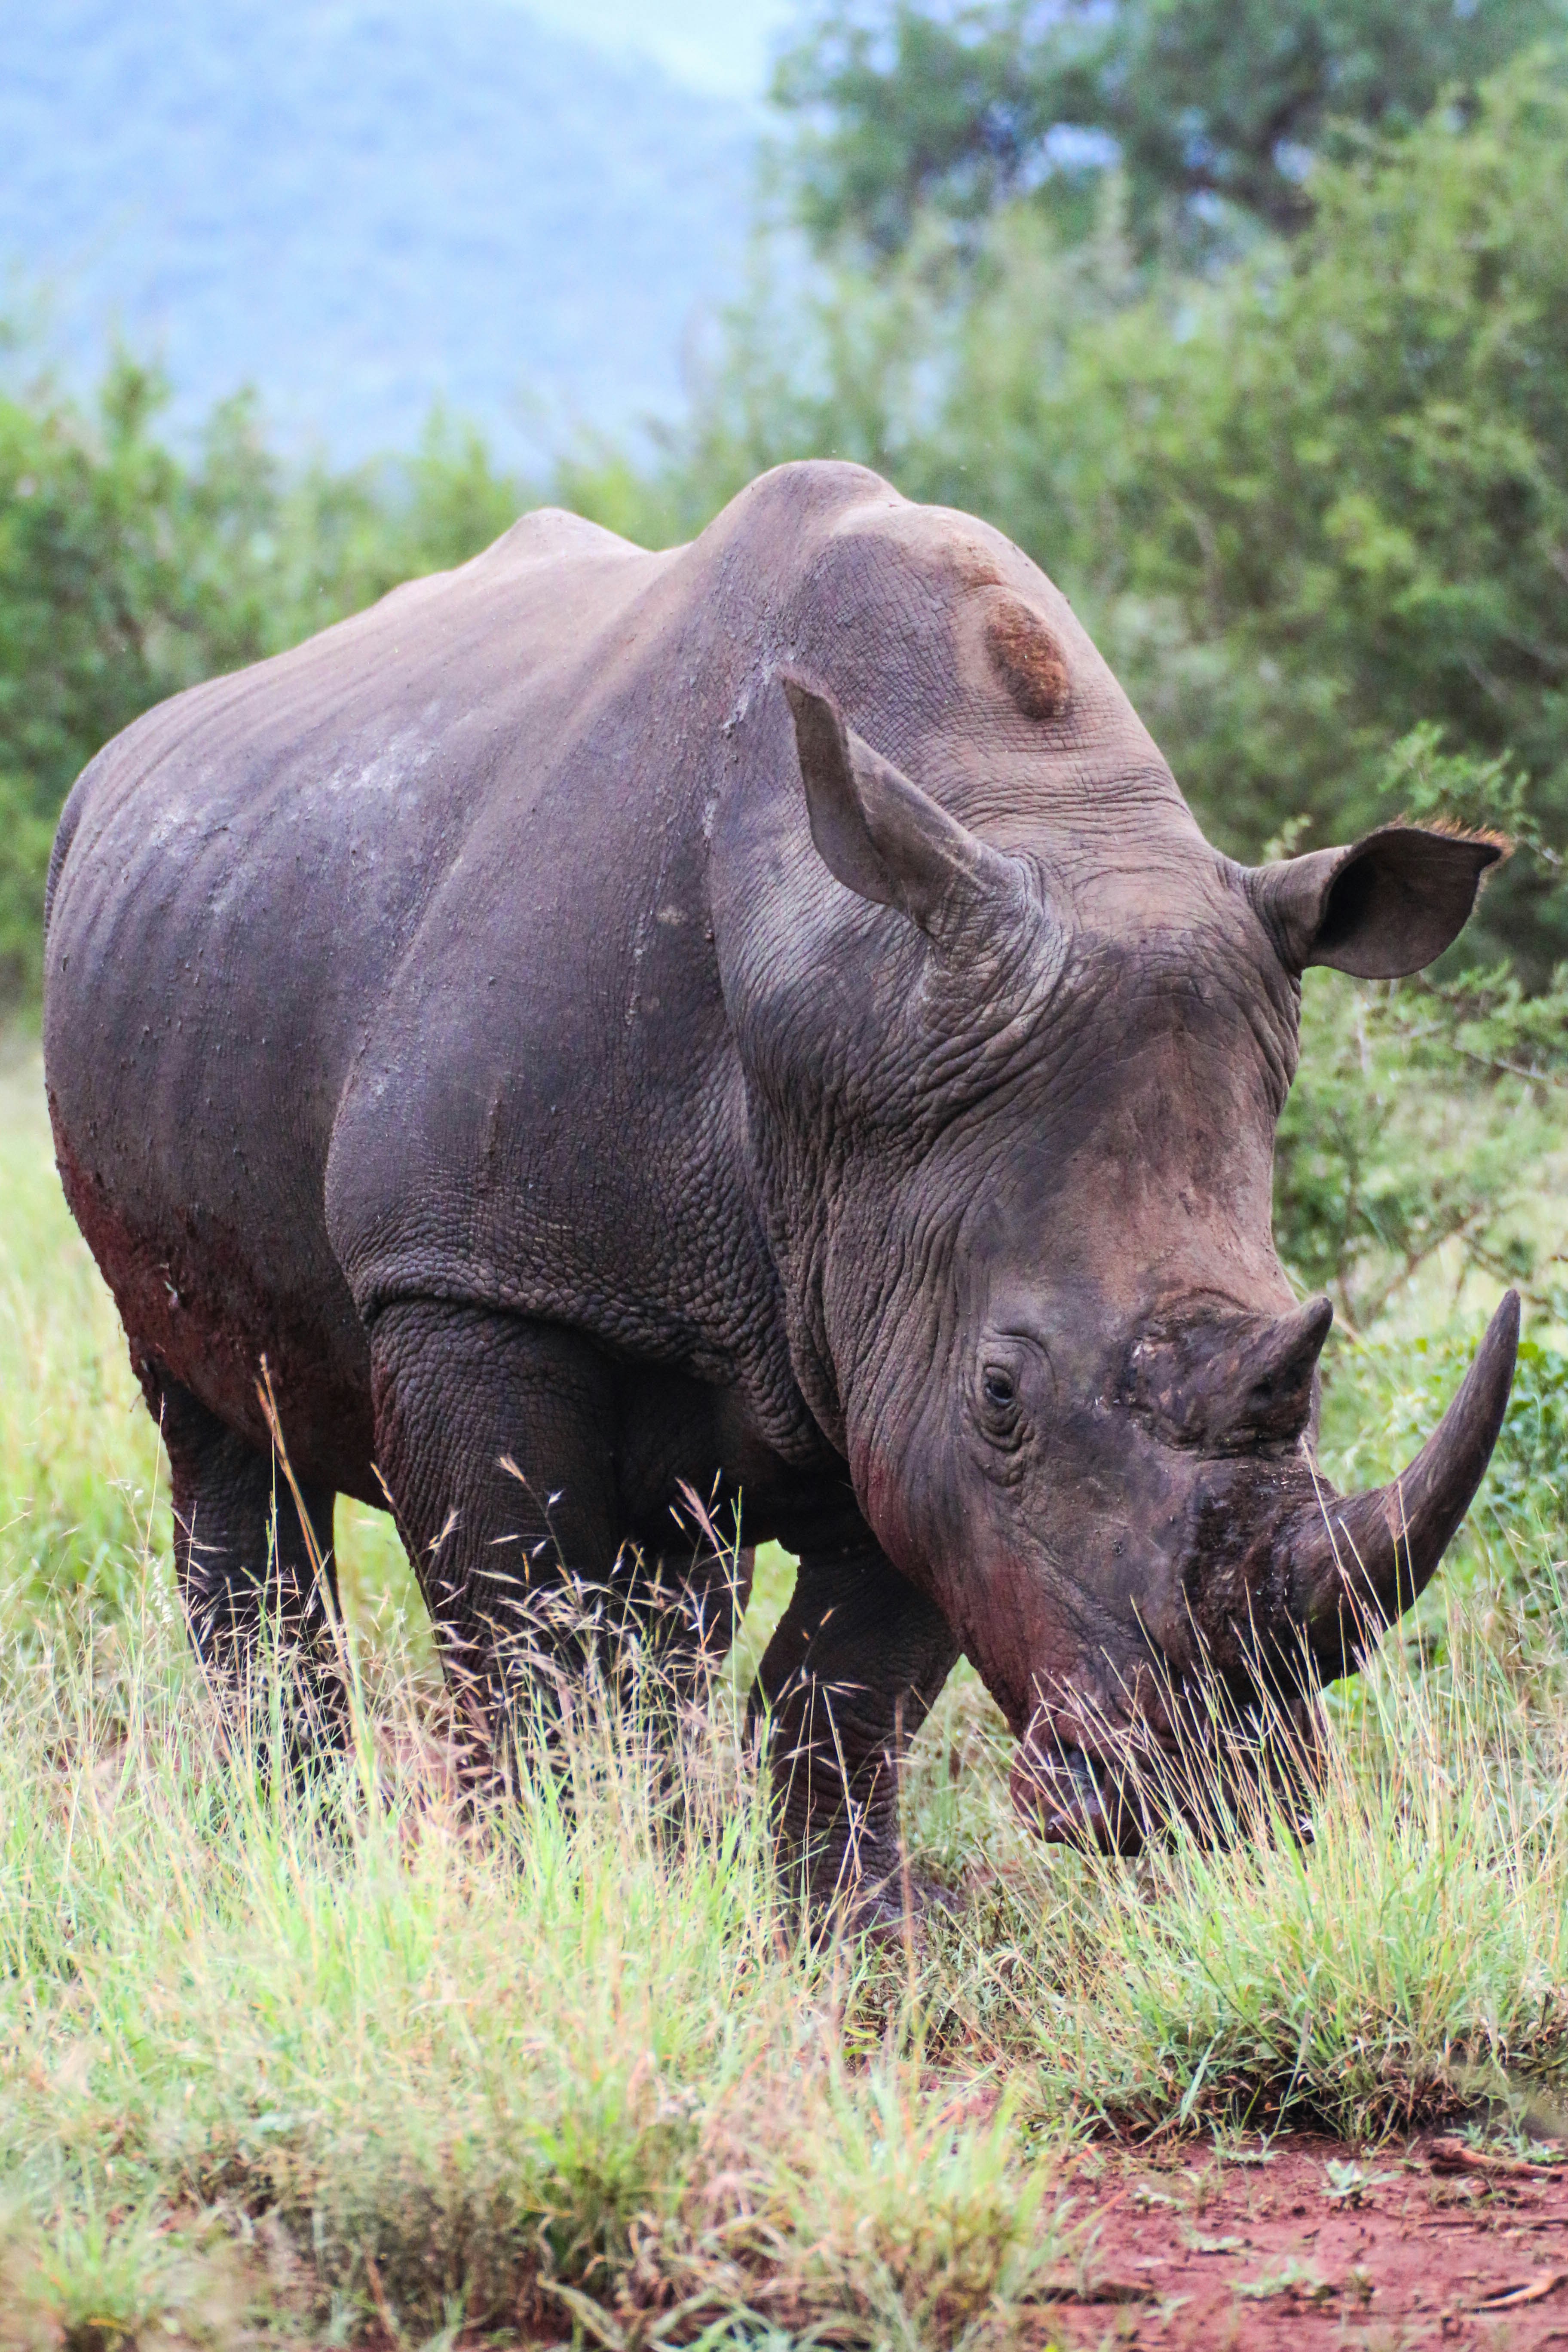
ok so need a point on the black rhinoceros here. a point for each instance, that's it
(761, 1013)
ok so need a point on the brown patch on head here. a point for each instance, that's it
(976, 565)
(1027, 657)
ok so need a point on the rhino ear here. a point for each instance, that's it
(1387, 906)
(876, 832)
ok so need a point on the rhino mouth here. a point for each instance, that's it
(1079, 1800)
(1238, 1764)
(1070, 1797)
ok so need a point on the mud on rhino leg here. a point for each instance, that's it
(497, 1437)
(243, 1560)
(854, 1666)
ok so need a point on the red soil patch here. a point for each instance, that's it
(1411, 2247)
(1303, 2245)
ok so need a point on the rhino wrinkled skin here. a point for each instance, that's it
(759, 1017)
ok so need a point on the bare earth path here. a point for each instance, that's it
(1316, 2247)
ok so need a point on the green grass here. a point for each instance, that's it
(297, 2067)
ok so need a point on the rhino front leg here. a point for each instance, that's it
(854, 1666)
(495, 1436)
(498, 1438)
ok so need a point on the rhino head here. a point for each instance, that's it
(1076, 1391)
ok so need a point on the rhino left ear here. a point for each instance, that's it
(876, 832)
(1387, 906)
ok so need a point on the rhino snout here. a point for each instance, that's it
(1069, 1797)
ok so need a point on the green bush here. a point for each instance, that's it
(1383, 1397)
(1427, 1126)
(1308, 503)
(114, 590)
(1326, 499)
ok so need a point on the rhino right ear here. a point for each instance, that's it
(1387, 906)
(877, 832)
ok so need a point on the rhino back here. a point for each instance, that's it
(374, 885)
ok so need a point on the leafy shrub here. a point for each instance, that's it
(1426, 1121)
(1383, 1397)
(1528, 1482)
(1307, 502)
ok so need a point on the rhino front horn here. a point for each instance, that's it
(1354, 1562)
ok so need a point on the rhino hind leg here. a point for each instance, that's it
(854, 1666)
(244, 1560)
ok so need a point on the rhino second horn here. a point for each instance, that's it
(1271, 1383)
(1354, 1562)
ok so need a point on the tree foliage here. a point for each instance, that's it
(1427, 1125)
(1207, 103)
(1320, 503)
(118, 584)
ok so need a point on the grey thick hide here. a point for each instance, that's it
(399, 965)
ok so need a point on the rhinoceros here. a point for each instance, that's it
(757, 1020)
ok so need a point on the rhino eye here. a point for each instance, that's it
(998, 1406)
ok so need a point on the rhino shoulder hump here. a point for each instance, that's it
(543, 535)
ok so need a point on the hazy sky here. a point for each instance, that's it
(716, 45)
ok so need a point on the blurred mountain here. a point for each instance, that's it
(363, 207)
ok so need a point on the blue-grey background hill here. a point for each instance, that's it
(366, 206)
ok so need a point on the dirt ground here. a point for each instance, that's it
(1284, 2248)
(1308, 2244)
